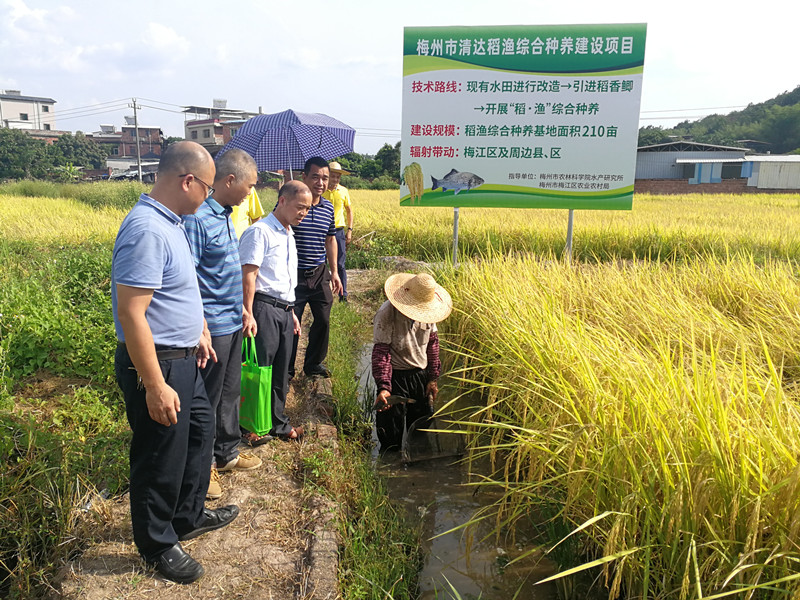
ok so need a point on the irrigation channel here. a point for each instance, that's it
(429, 480)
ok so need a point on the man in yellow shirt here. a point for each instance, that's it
(246, 213)
(342, 217)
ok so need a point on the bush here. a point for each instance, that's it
(384, 182)
(354, 182)
(115, 194)
(30, 188)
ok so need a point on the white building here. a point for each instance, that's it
(766, 172)
(665, 161)
(26, 112)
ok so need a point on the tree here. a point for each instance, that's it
(22, 157)
(651, 135)
(78, 150)
(370, 169)
(170, 140)
(389, 159)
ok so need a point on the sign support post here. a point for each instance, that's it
(455, 236)
(568, 247)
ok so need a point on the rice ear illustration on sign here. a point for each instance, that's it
(414, 179)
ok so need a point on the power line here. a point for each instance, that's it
(178, 112)
(100, 112)
(87, 107)
(160, 102)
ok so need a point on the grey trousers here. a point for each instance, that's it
(223, 381)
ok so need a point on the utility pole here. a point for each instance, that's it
(135, 107)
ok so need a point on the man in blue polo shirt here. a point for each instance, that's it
(316, 242)
(215, 247)
(158, 318)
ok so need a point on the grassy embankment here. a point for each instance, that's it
(645, 397)
(63, 433)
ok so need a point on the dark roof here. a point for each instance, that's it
(26, 98)
(684, 146)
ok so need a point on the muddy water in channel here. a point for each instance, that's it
(431, 486)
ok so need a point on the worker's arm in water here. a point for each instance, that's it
(434, 367)
(382, 373)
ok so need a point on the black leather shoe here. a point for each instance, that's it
(212, 519)
(177, 566)
(318, 371)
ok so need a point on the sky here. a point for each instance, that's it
(344, 58)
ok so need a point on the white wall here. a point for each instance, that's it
(780, 176)
(37, 119)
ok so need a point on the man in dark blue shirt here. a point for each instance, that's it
(316, 242)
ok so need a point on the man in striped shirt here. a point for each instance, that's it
(316, 242)
(216, 257)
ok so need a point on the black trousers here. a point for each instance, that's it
(274, 347)
(341, 243)
(223, 380)
(389, 423)
(170, 466)
(315, 291)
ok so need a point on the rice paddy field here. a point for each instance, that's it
(643, 397)
(641, 401)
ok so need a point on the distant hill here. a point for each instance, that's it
(775, 122)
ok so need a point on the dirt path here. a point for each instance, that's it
(284, 544)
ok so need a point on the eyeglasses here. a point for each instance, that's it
(210, 189)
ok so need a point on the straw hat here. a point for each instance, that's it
(418, 297)
(335, 167)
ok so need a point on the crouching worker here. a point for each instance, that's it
(405, 355)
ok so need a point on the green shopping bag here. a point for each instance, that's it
(255, 409)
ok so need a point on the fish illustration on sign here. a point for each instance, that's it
(457, 181)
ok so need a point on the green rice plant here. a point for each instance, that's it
(379, 558)
(49, 472)
(660, 396)
(56, 310)
(55, 326)
(350, 415)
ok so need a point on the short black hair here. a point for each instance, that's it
(290, 189)
(235, 162)
(317, 161)
(183, 157)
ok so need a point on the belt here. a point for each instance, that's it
(287, 306)
(167, 352)
(309, 273)
(339, 228)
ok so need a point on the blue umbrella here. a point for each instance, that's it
(285, 140)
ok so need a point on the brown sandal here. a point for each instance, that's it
(294, 436)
